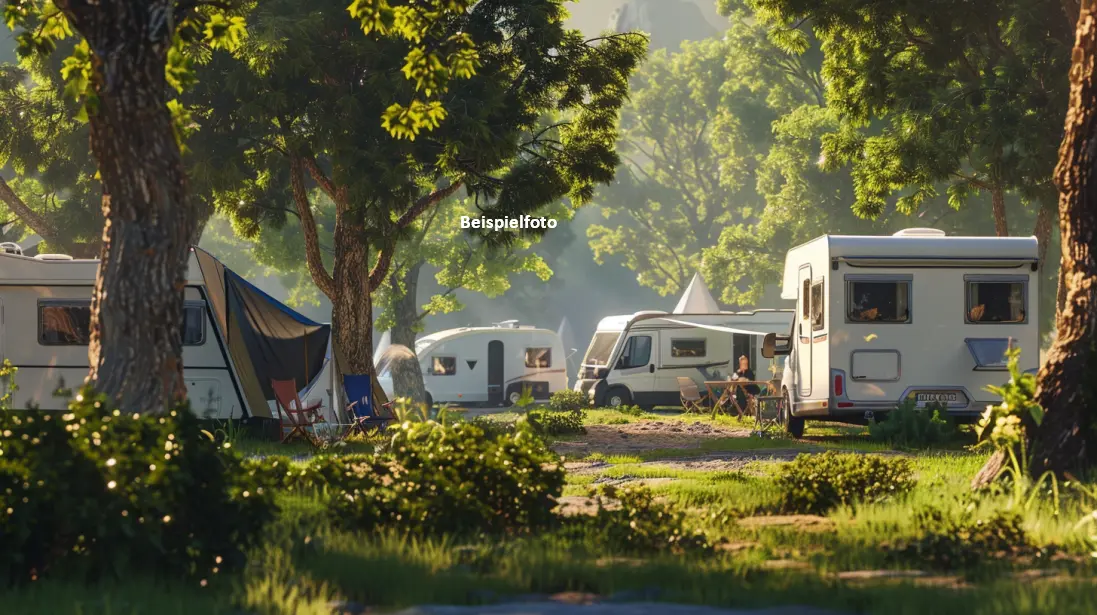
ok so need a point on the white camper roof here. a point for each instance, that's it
(50, 269)
(912, 246)
(429, 341)
(697, 299)
(766, 316)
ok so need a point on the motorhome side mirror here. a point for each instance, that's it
(774, 345)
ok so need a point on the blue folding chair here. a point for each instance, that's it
(363, 413)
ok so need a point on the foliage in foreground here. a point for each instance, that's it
(435, 479)
(949, 543)
(909, 426)
(568, 400)
(817, 483)
(632, 521)
(90, 494)
(551, 423)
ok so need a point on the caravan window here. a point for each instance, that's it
(68, 323)
(817, 306)
(993, 300)
(687, 348)
(637, 352)
(443, 366)
(538, 357)
(878, 300)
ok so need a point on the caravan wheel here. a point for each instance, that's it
(793, 425)
(617, 397)
(513, 397)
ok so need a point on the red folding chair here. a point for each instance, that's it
(295, 418)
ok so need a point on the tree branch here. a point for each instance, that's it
(424, 203)
(338, 194)
(313, 258)
(31, 218)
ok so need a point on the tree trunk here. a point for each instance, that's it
(998, 205)
(1067, 387)
(407, 375)
(137, 309)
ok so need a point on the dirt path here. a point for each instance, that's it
(645, 436)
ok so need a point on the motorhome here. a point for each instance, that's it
(488, 365)
(916, 316)
(236, 338)
(637, 358)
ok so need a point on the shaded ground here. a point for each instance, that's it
(638, 608)
(645, 436)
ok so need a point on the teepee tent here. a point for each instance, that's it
(697, 299)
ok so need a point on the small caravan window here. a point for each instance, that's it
(68, 323)
(805, 309)
(687, 348)
(637, 352)
(995, 301)
(817, 306)
(878, 300)
(538, 357)
(443, 366)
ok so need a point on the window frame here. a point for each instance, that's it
(548, 354)
(895, 278)
(86, 304)
(995, 279)
(704, 347)
(821, 284)
(625, 347)
(443, 356)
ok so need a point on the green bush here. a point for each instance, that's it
(493, 429)
(631, 521)
(435, 479)
(91, 493)
(814, 484)
(568, 401)
(551, 423)
(632, 410)
(948, 543)
(909, 426)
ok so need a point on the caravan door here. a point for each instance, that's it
(636, 366)
(496, 372)
(802, 365)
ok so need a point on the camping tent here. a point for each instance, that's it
(697, 299)
(266, 339)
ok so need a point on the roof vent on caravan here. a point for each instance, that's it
(11, 248)
(53, 257)
(920, 232)
(506, 324)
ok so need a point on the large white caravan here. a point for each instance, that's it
(637, 358)
(489, 365)
(235, 337)
(918, 315)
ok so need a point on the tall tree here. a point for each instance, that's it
(963, 91)
(1066, 386)
(307, 98)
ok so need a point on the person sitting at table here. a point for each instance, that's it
(745, 373)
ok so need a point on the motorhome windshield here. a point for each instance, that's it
(600, 348)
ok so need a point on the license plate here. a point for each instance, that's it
(937, 397)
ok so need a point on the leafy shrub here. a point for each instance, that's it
(950, 543)
(817, 483)
(909, 426)
(435, 479)
(551, 423)
(631, 410)
(631, 521)
(568, 401)
(90, 493)
(493, 429)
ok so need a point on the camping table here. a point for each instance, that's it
(729, 398)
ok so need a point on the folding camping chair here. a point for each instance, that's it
(295, 418)
(692, 400)
(362, 412)
(767, 413)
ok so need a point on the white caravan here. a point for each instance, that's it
(45, 316)
(917, 315)
(637, 358)
(489, 365)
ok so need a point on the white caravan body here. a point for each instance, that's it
(637, 358)
(44, 324)
(489, 365)
(917, 315)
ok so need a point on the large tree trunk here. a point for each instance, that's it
(1067, 387)
(407, 375)
(137, 309)
(998, 206)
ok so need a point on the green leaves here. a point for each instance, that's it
(225, 32)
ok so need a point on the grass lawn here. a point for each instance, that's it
(725, 485)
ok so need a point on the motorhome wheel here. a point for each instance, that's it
(794, 426)
(617, 397)
(513, 397)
